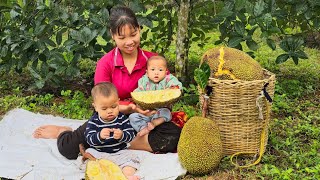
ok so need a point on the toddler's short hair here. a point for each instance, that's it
(104, 88)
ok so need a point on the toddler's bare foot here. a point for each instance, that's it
(133, 177)
(129, 172)
(150, 126)
(143, 131)
(85, 155)
(50, 131)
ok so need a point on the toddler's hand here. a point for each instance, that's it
(117, 133)
(105, 133)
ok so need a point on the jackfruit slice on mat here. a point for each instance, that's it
(103, 170)
(156, 99)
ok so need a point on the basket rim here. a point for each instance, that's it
(266, 72)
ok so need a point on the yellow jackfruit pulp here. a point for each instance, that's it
(232, 64)
(200, 146)
(103, 170)
(156, 99)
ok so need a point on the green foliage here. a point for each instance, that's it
(75, 105)
(162, 36)
(189, 110)
(87, 68)
(190, 95)
(201, 76)
(49, 38)
(162, 20)
(72, 105)
(292, 47)
(290, 21)
(294, 131)
(30, 102)
(188, 102)
(163, 16)
(294, 140)
(293, 148)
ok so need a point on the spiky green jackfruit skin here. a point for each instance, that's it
(156, 99)
(237, 65)
(200, 146)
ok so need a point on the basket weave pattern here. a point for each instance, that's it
(232, 106)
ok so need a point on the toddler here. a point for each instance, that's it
(108, 130)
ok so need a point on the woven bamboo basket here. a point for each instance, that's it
(233, 106)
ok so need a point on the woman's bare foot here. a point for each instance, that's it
(141, 143)
(50, 131)
(146, 130)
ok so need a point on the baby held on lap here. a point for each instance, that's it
(156, 78)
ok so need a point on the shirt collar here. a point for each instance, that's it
(107, 122)
(141, 60)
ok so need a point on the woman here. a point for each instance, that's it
(123, 66)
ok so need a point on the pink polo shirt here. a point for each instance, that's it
(111, 68)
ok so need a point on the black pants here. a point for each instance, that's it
(164, 138)
(68, 142)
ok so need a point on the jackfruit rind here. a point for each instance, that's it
(232, 64)
(156, 99)
(200, 146)
(103, 169)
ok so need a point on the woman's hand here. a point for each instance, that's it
(127, 108)
(146, 112)
(131, 108)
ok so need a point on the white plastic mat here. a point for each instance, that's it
(24, 157)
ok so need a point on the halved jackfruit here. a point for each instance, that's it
(156, 99)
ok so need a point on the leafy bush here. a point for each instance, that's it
(49, 38)
(29, 102)
(74, 105)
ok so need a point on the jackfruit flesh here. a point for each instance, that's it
(156, 99)
(232, 64)
(103, 170)
(200, 146)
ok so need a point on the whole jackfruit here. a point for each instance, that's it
(103, 170)
(200, 146)
(156, 99)
(232, 64)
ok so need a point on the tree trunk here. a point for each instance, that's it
(182, 36)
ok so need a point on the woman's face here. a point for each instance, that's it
(128, 40)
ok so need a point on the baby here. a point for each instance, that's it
(156, 78)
